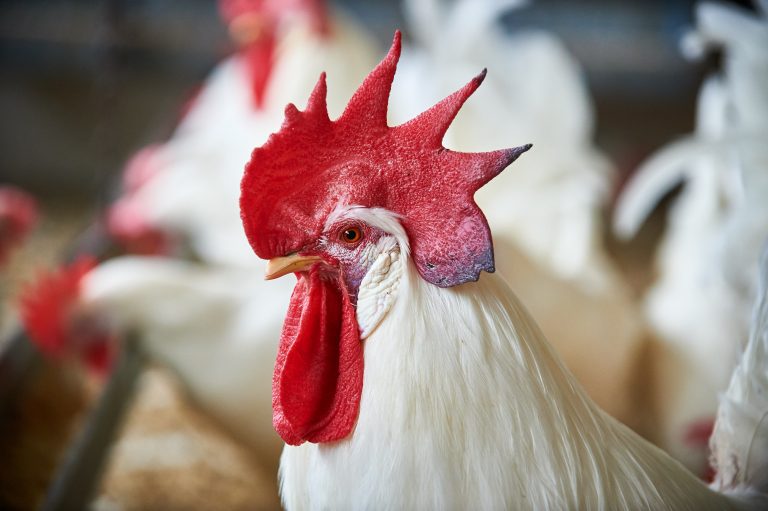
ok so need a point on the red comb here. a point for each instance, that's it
(302, 173)
(18, 214)
(254, 24)
(272, 9)
(48, 312)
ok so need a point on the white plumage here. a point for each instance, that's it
(707, 262)
(466, 406)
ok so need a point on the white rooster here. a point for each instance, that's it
(707, 263)
(545, 216)
(188, 186)
(401, 384)
(215, 326)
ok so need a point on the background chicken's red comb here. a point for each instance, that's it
(47, 305)
(302, 173)
(232, 9)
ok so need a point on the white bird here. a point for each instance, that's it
(707, 263)
(189, 185)
(215, 325)
(546, 213)
(400, 382)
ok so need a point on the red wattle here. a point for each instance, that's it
(260, 59)
(318, 377)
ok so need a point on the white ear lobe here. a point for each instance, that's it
(378, 291)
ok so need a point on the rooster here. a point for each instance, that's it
(403, 380)
(546, 216)
(184, 192)
(707, 264)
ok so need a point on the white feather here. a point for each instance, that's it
(378, 291)
(466, 406)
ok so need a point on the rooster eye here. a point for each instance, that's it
(351, 235)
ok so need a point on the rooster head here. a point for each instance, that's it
(342, 204)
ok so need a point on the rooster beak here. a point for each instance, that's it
(280, 266)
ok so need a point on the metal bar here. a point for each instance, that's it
(17, 360)
(80, 473)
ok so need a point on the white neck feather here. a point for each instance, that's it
(465, 406)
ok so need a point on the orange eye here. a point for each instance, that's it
(351, 235)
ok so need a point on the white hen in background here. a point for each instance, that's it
(546, 213)
(707, 267)
(192, 181)
(217, 326)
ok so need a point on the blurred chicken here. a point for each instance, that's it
(546, 213)
(403, 382)
(214, 328)
(707, 264)
(186, 189)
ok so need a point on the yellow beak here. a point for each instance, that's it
(280, 266)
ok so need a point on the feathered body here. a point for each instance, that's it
(466, 406)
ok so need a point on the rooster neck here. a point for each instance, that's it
(465, 406)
